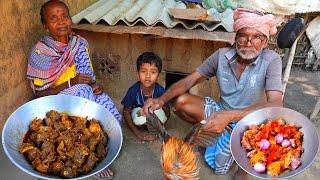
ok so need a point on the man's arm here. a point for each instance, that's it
(217, 121)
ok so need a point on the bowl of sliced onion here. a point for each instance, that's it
(274, 142)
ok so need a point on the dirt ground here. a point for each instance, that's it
(141, 161)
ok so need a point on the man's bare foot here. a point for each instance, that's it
(104, 174)
(240, 175)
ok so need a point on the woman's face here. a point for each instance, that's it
(57, 21)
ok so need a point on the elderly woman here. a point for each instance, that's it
(249, 78)
(59, 63)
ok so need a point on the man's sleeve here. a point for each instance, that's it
(273, 75)
(209, 67)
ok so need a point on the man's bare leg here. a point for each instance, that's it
(189, 107)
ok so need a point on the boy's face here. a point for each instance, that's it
(58, 21)
(148, 74)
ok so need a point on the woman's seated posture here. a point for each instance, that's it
(59, 63)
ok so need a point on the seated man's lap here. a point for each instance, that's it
(218, 156)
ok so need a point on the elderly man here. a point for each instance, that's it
(249, 78)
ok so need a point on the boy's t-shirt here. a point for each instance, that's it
(135, 98)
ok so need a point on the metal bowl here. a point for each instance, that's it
(18, 124)
(310, 139)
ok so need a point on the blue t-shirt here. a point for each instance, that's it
(133, 97)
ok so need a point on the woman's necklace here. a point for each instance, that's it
(142, 95)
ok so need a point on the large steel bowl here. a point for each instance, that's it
(310, 138)
(18, 124)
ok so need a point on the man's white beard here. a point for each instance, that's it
(248, 53)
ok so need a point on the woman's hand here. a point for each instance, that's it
(81, 79)
(154, 104)
(218, 121)
(97, 89)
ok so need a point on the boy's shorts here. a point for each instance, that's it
(141, 120)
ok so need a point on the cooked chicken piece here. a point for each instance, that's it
(39, 166)
(61, 149)
(68, 143)
(94, 140)
(287, 161)
(89, 164)
(54, 135)
(67, 172)
(81, 151)
(86, 134)
(35, 124)
(47, 147)
(297, 151)
(49, 122)
(25, 147)
(248, 139)
(70, 153)
(251, 153)
(101, 150)
(56, 166)
(53, 115)
(94, 126)
(33, 154)
(104, 139)
(49, 158)
(258, 157)
(59, 126)
(79, 122)
(274, 168)
(41, 137)
(253, 126)
(66, 121)
(44, 129)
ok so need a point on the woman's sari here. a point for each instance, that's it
(49, 59)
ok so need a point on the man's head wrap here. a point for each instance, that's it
(244, 18)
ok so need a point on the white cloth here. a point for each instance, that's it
(140, 120)
(283, 7)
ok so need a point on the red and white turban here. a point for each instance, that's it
(244, 18)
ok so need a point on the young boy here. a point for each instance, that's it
(149, 66)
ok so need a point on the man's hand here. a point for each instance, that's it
(97, 89)
(81, 79)
(154, 104)
(218, 121)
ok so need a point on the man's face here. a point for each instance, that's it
(57, 21)
(250, 42)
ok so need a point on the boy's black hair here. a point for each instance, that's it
(150, 58)
(44, 8)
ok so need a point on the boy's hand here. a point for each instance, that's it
(97, 89)
(154, 104)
